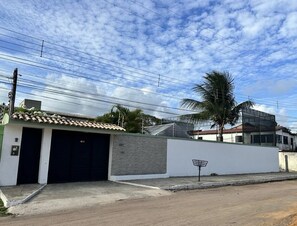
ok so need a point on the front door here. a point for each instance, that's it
(29, 156)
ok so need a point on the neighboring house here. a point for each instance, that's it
(174, 129)
(285, 139)
(282, 137)
(233, 135)
(256, 128)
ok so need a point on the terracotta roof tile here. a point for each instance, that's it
(44, 118)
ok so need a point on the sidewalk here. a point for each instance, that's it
(189, 183)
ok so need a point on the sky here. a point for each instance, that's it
(83, 57)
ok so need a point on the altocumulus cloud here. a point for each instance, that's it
(181, 41)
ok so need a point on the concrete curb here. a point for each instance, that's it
(9, 203)
(137, 185)
(230, 183)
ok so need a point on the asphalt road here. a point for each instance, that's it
(261, 204)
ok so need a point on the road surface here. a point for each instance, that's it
(262, 204)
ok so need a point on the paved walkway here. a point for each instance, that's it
(186, 183)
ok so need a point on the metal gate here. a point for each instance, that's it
(78, 156)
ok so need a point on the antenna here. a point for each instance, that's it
(41, 51)
(159, 80)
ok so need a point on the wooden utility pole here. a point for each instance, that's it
(12, 93)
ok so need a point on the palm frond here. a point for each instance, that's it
(201, 116)
(191, 104)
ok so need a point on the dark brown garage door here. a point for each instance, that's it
(77, 156)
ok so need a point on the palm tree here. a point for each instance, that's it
(218, 102)
(122, 113)
(132, 121)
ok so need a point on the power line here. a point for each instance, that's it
(90, 98)
(28, 81)
(88, 54)
(84, 98)
(154, 79)
(28, 84)
(72, 74)
(80, 66)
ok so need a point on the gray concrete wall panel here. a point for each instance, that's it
(138, 155)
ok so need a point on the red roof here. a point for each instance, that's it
(44, 118)
(236, 129)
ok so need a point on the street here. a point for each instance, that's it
(261, 204)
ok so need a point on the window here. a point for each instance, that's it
(267, 138)
(238, 139)
(279, 139)
(286, 140)
(200, 138)
(256, 139)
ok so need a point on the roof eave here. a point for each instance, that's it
(62, 127)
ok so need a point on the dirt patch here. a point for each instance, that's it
(3, 210)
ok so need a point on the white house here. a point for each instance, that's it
(43, 148)
(285, 139)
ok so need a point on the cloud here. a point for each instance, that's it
(264, 108)
(273, 88)
(73, 95)
(290, 25)
(4, 93)
(119, 49)
(155, 106)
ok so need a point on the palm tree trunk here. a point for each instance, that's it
(221, 130)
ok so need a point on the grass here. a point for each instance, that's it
(3, 210)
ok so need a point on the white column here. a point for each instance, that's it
(110, 156)
(9, 164)
(44, 155)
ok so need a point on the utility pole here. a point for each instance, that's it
(142, 124)
(12, 93)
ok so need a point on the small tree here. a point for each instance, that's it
(133, 121)
(218, 102)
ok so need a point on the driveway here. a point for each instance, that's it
(60, 197)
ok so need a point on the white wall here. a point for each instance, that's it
(223, 158)
(292, 161)
(228, 137)
(9, 164)
(44, 155)
(212, 137)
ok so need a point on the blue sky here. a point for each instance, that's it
(96, 53)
